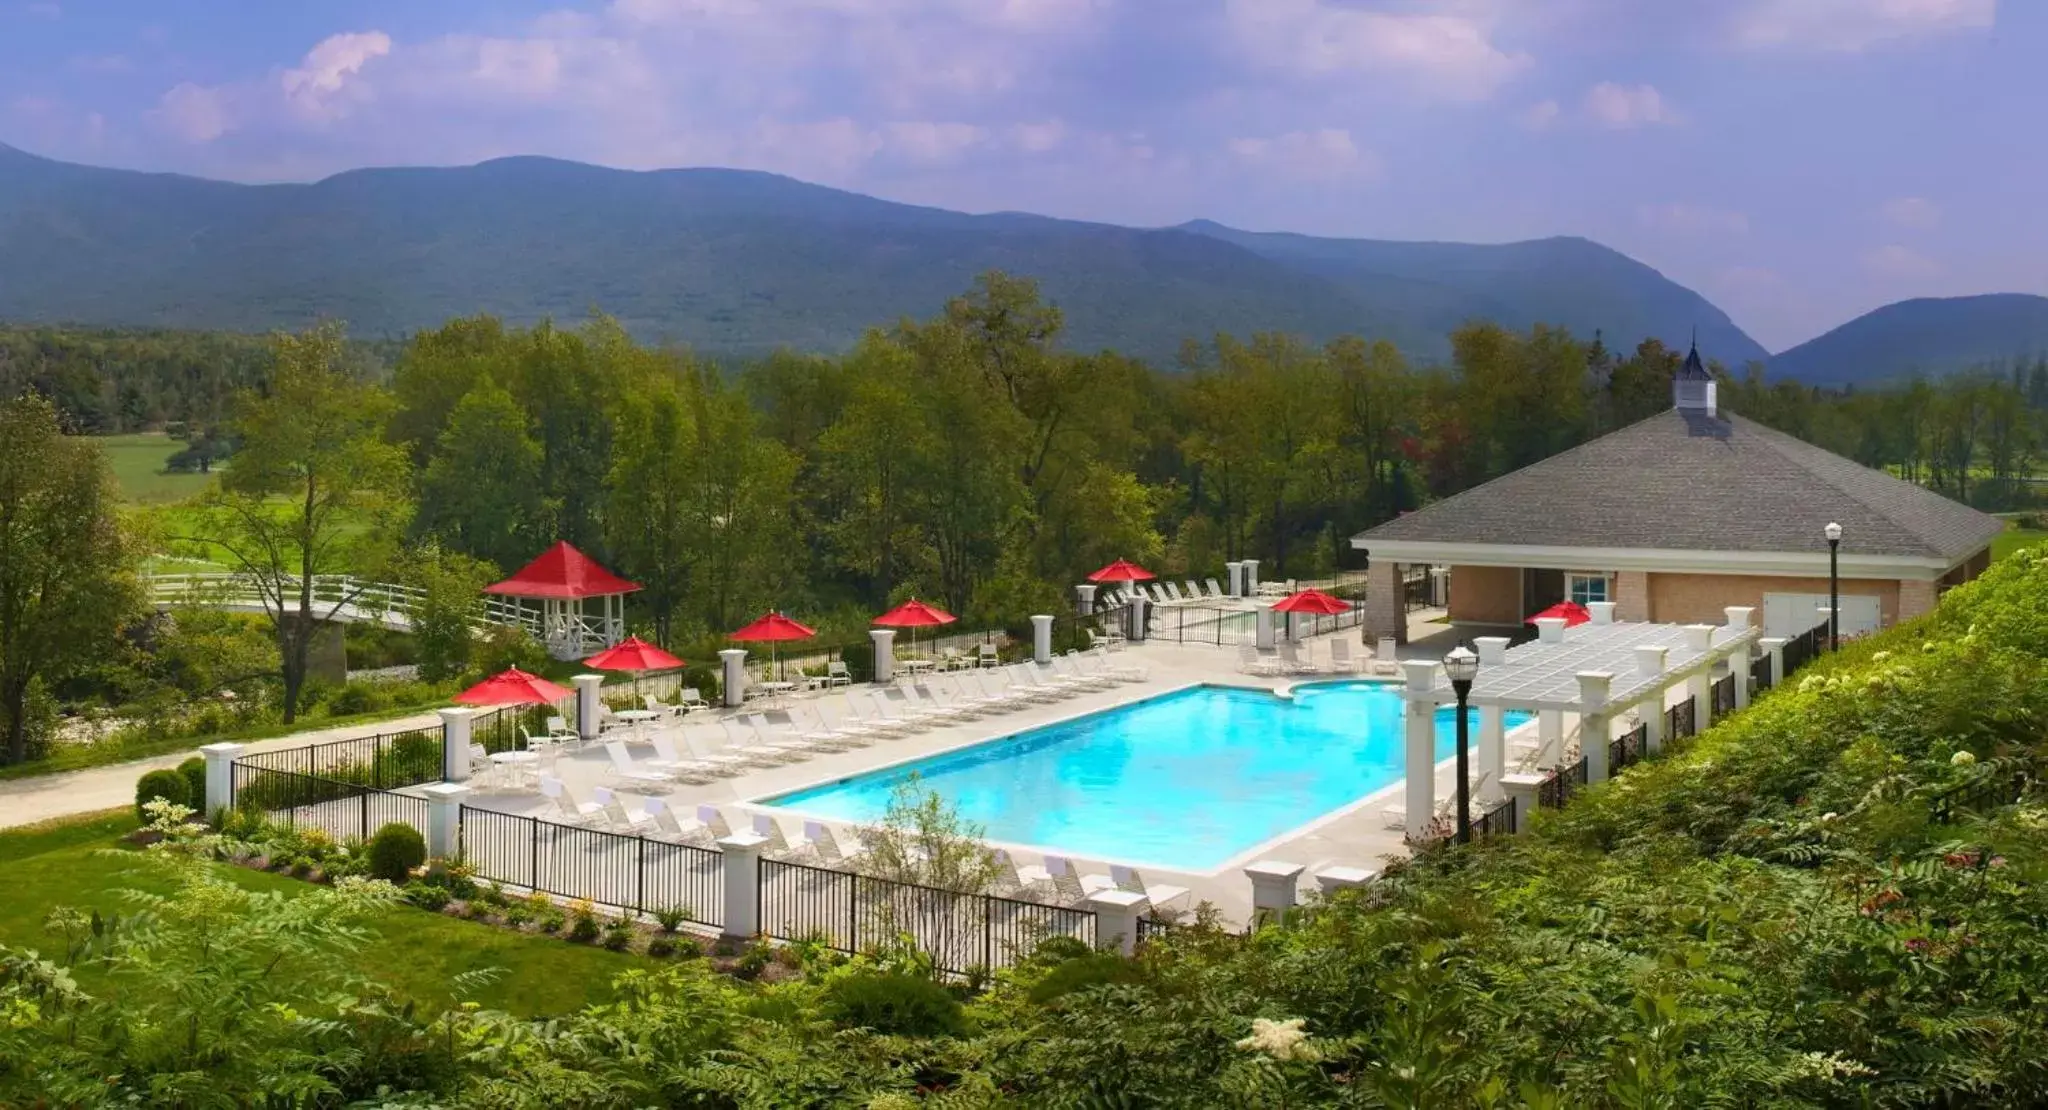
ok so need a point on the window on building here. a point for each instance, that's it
(1588, 588)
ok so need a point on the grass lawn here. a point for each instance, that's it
(2014, 539)
(138, 462)
(416, 952)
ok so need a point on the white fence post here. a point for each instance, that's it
(742, 883)
(1774, 647)
(1593, 728)
(1116, 918)
(444, 819)
(589, 705)
(1274, 888)
(1084, 598)
(1522, 790)
(734, 675)
(220, 776)
(1041, 638)
(455, 737)
(1263, 633)
(885, 653)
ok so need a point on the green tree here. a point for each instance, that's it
(481, 493)
(449, 607)
(65, 577)
(652, 521)
(315, 490)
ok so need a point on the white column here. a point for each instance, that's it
(1233, 581)
(1333, 879)
(742, 866)
(1493, 754)
(1550, 630)
(1739, 616)
(1549, 737)
(1084, 598)
(1650, 660)
(1251, 578)
(1493, 650)
(1603, 611)
(220, 776)
(1041, 638)
(455, 739)
(1523, 789)
(1700, 684)
(885, 653)
(733, 675)
(1262, 628)
(1141, 617)
(1419, 748)
(444, 819)
(1738, 665)
(1274, 888)
(1593, 727)
(1116, 918)
(1774, 646)
(589, 705)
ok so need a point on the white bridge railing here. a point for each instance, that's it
(360, 599)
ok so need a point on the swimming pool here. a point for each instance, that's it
(1185, 781)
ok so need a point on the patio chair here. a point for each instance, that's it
(666, 827)
(780, 735)
(723, 762)
(1058, 872)
(986, 656)
(713, 821)
(1215, 590)
(687, 768)
(897, 700)
(656, 705)
(1292, 662)
(1194, 591)
(999, 697)
(691, 698)
(567, 809)
(836, 673)
(740, 744)
(777, 845)
(1341, 659)
(1010, 883)
(1127, 879)
(827, 848)
(615, 812)
(1069, 667)
(1251, 661)
(1386, 659)
(869, 715)
(623, 766)
(848, 731)
(560, 732)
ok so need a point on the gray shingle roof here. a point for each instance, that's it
(1686, 481)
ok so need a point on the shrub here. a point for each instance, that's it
(661, 947)
(685, 948)
(584, 930)
(354, 698)
(194, 770)
(550, 920)
(618, 934)
(168, 785)
(901, 1004)
(671, 918)
(1093, 970)
(395, 852)
(430, 898)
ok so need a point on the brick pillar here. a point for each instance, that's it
(1632, 595)
(1383, 611)
(1915, 598)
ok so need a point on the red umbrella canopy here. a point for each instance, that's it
(1121, 571)
(1572, 612)
(1312, 601)
(634, 654)
(513, 687)
(914, 614)
(774, 627)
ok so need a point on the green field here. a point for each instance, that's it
(2014, 539)
(138, 462)
(415, 952)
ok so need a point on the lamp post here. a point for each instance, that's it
(1834, 534)
(1463, 666)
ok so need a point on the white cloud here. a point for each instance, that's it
(194, 113)
(1444, 51)
(320, 84)
(1322, 154)
(1541, 115)
(1854, 25)
(1915, 213)
(1624, 106)
(1895, 261)
(1037, 138)
(931, 141)
(1692, 219)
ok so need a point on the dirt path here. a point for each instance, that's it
(27, 801)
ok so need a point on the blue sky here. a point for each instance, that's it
(1797, 161)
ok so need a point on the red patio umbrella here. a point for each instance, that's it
(1312, 601)
(914, 614)
(1572, 612)
(771, 630)
(636, 655)
(513, 687)
(1121, 571)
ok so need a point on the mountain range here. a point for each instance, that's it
(737, 262)
(1927, 335)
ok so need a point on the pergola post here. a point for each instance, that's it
(1419, 748)
(1650, 661)
(1493, 754)
(1593, 729)
(1700, 684)
(1739, 619)
(1550, 630)
(1773, 648)
(1549, 737)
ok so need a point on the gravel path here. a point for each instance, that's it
(27, 801)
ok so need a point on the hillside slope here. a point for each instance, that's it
(740, 262)
(1927, 335)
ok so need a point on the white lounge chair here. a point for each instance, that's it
(827, 848)
(688, 768)
(615, 812)
(567, 809)
(1291, 660)
(767, 826)
(1252, 661)
(866, 711)
(899, 702)
(666, 827)
(1058, 871)
(656, 705)
(623, 766)
(713, 821)
(782, 734)
(1341, 659)
(1215, 590)
(987, 656)
(1161, 895)
(1387, 658)
(949, 708)
(713, 753)
(691, 698)
(741, 744)
(1069, 667)
(1025, 676)
(560, 732)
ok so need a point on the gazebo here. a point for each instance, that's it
(563, 579)
(1593, 674)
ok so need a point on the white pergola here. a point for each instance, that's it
(1596, 671)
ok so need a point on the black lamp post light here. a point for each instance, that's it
(1834, 535)
(1463, 666)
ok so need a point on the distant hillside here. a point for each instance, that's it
(1928, 335)
(740, 262)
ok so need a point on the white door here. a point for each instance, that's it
(1788, 615)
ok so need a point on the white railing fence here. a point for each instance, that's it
(364, 599)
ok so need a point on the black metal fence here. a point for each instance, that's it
(386, 761)
(1801, 649)
(1501, 820)
(960, 932)
(1721, 695)
(1679, 721)
(1560, 784)
(1627, 749)
(632, 873)
(1301, 625)
(1982, 795)
(1759, 674)
(343, 809)
(1201, 624)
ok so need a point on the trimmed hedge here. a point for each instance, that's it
(166, 784)
(395, 852)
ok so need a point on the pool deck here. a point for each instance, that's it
(1357, 835)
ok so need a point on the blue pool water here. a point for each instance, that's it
(1184, 781)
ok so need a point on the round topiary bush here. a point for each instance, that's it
(395, 852)
(166, 784)
(194, 770)
(903, 1004)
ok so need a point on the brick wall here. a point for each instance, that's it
(1916, 599)
(1700, 598)
(1486, 595)
(1384, 613)
(1632, 596)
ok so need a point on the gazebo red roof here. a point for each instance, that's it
(564, 573)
